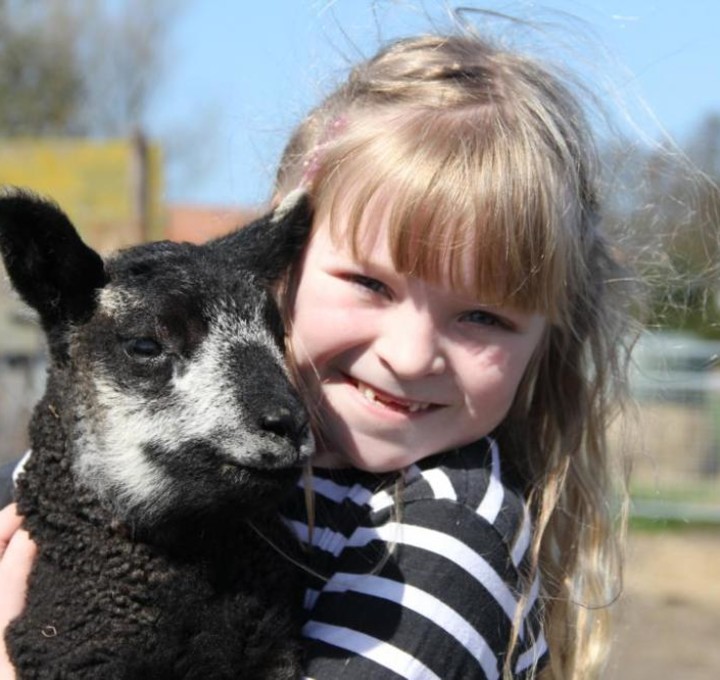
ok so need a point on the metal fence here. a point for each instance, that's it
(22, 380)
(676, 439)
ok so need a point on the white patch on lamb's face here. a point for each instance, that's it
(114, 300)
(199, 406)
(204, 389)
(110, 458)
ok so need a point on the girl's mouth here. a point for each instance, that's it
(381, 398)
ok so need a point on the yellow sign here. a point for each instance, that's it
(110, 189)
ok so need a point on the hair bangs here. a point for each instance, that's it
(459, 205)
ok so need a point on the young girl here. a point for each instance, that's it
(455, 324)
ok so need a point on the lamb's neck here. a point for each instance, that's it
(198, 536)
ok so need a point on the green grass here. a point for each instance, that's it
(699, 492)
(663, 525)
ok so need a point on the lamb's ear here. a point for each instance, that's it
(267, 246)
(47, 262)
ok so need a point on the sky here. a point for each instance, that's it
(240, 75)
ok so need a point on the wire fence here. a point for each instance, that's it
(676, 450)
(22, 380)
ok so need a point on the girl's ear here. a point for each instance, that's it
(47, 262)
(270, 244)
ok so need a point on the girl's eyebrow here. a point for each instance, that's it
(366, 262)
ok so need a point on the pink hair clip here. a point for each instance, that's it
(312, 163)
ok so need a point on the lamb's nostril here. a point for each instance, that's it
(280, 422)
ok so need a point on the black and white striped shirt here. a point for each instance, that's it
(421, 581)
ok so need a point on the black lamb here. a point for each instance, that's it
(167, 435)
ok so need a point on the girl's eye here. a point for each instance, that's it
(482, 318)
(370, 284)
(143, 348)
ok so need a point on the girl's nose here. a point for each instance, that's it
(409, 344)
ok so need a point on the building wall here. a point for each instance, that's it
(110, 189)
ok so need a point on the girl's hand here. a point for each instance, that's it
(17, 552)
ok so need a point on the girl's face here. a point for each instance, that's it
(400, 368)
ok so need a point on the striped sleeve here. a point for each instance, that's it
(9, 473)
(440, 605)
(7, 483)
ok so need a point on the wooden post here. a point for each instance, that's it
(140, 184)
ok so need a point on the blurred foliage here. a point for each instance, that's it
(80, 67)
(665, 201)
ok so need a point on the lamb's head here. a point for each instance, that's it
(177, 399)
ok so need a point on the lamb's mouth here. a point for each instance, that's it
(402, 405)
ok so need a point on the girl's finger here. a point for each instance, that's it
(9, 523)
(15, 568)
(15, 565)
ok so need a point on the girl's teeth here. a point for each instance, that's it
(372, 396)
(369, 394)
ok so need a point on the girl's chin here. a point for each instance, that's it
(364, 434)
(370, 453)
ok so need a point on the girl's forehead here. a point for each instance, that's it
(500, 250)
(371, 238)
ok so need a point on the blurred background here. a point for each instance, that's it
(164, 119)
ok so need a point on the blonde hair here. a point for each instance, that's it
(484, 157)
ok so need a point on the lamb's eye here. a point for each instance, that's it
(143, 348)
